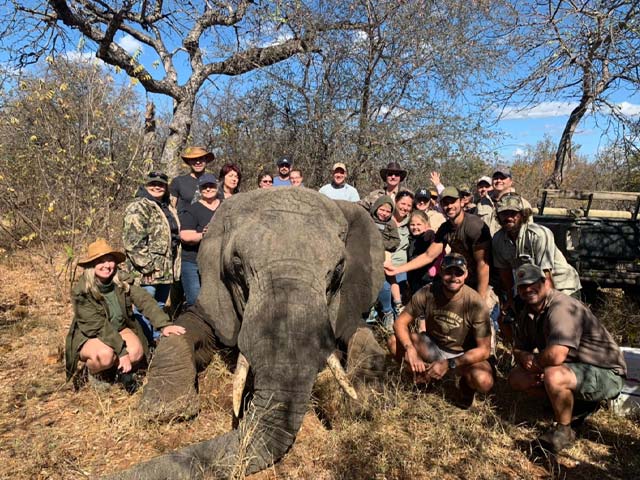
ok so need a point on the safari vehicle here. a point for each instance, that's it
(603, 245)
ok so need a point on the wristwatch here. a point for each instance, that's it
(452, 363)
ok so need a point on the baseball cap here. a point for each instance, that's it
(484, 179)
(339, 165)
(158, 177)
(284, 161)
(528, 274)
(451, 192)
(422, 193)
(511, 202)
(207, 178)
(464, 190)
(454, 260)
(506, 171)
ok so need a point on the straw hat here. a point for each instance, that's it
(98, 249)
(197, 152)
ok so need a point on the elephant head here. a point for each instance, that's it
(287, 275)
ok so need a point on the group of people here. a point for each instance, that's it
(459, 266)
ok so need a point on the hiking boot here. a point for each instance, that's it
(558, 438)
(466, 395)
(128, 381)
(387, 321)
(100, 381)
(582, 409)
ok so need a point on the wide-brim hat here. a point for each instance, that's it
(393, 167)
(197, 152)
(98, 249)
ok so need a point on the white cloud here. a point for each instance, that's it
(130, 44)
(560, 109)
(542, 110)
(77, 56)
(518, 152)
(629, 109)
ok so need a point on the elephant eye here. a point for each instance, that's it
(335, 278)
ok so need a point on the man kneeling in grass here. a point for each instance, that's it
(457, 336)
(577, 364)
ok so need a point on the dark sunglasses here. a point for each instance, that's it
(265, 180)
(434, 197)
(208, 185)
(161, 175)
(455, 271)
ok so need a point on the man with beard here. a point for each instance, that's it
(457, 336)
(520, 241)
(577, 364)
(284, 170)
(466, 234)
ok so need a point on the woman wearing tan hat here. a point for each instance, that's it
(184, 188)
(103, 332)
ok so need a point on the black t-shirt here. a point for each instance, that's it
(472, 234)
(184, 188)
(419, 277)
(194, 217)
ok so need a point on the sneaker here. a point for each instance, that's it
(373, 316)
(387, 320)
(558, 438)
(398, 307)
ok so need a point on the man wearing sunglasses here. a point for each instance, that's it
(520, 241)
(184, 188)
(457, 334)
(392, 176)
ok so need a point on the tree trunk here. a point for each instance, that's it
(149, 139)
(179, 129)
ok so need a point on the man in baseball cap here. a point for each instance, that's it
(577, 365)
(284, 169)
(338, 189)
(457, 336)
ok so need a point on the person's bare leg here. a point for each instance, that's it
(134, 346)
(523, 381)
(97, 355)
(560, 383)
(479, 376)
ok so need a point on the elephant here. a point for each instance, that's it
(287, 277)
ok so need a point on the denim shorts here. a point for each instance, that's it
(595, 383)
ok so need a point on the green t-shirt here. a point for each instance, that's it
(116, 318)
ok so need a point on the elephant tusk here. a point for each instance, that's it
(333, 362)
(239, 379)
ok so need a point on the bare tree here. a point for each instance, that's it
(575, 50)
(205, 38)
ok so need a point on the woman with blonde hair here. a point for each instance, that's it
(103, 333)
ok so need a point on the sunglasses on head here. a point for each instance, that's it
(161, 175)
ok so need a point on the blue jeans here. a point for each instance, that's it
(190, 281)
(384, 297)
(161, 293)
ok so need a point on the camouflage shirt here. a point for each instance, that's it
(147, 242)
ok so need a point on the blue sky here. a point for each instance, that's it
(521, 127)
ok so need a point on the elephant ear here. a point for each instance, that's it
(363, 269)
(215, 300)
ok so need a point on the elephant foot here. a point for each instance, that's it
(366, 359)
(170, 392)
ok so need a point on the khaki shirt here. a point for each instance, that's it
(485, 209)
(535, 244)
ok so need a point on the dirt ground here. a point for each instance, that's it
(47, 430)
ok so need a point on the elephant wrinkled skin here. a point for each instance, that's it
(287, 275)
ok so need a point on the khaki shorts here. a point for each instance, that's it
(595, 383)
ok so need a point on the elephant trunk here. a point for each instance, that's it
(266, 432)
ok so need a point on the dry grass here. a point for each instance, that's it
(49, 431)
